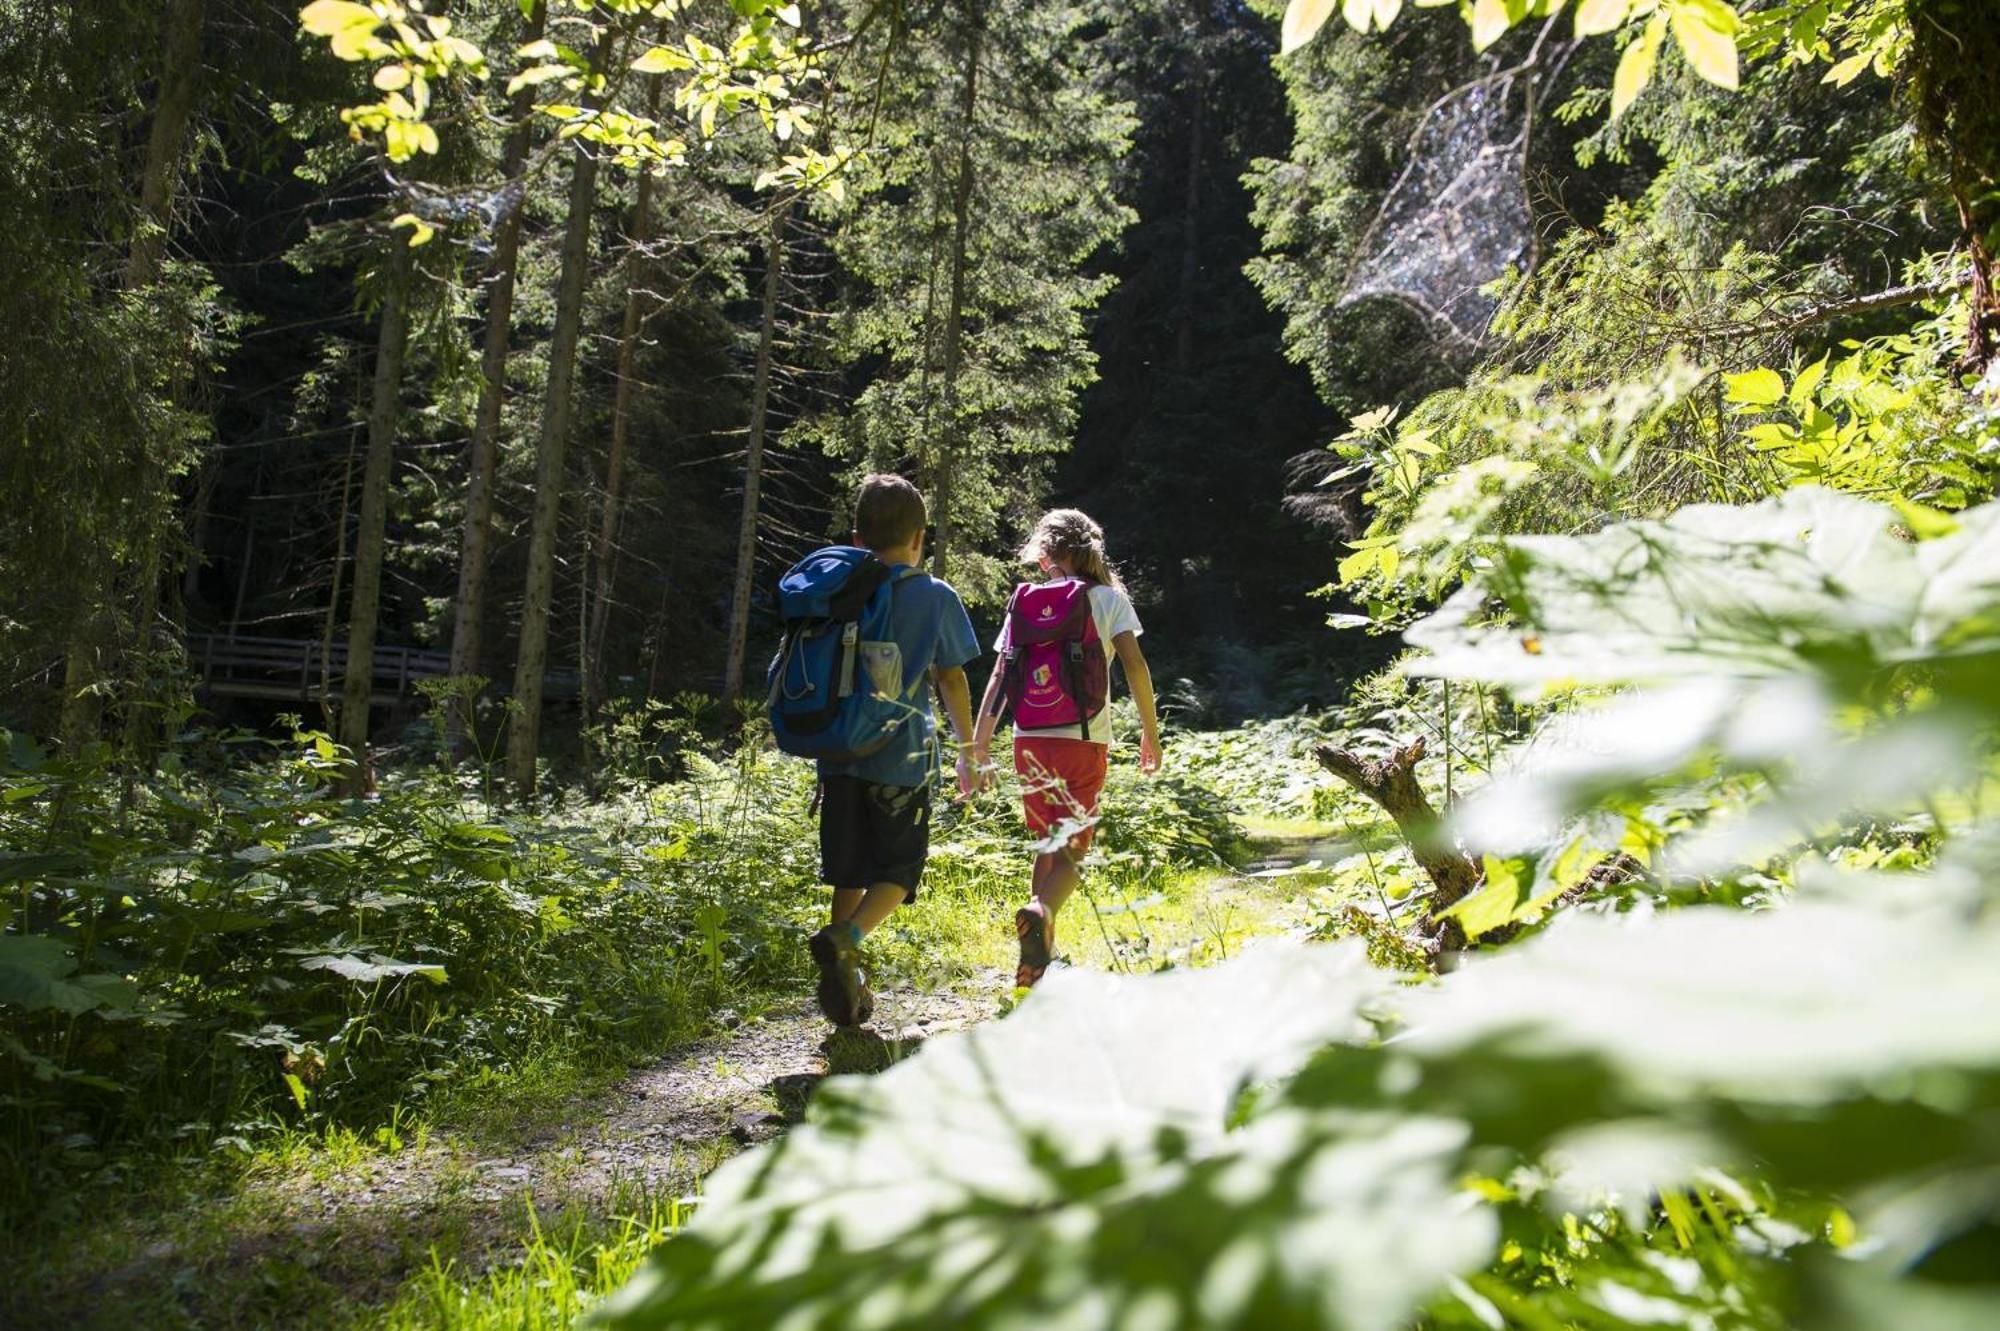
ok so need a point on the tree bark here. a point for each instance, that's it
(944, 484)
(94, 634)
(753, 463)
(179, 70)
(1954, 70)
(1191, 203)
(531, 661)
(383, 412)
(1392, 783)
(604, 558)
(484, 453)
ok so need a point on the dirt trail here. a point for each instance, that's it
(365, 1228)
(657, 1130)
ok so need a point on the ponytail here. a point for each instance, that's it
(1071, 538)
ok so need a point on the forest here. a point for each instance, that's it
(1548, 845)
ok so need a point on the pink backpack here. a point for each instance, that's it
(1055, 665)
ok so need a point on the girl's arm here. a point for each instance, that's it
(989, 714)
(1139, 678)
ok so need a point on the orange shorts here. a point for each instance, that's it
(1060, 779)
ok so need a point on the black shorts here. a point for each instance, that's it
(871, 834)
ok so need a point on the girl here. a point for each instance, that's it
(1062, 766)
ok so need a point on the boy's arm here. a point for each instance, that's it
(1139, 678)
(956, 694)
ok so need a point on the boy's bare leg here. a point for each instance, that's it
(866, 908)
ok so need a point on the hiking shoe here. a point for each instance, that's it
(1032, 928)
(841, 986)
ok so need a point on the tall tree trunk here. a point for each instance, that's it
(944, 487)
(1954, 69)
(753, 461)
(524, 733)
(604, 556)
(484, 453)
(89, 640)
(383, 412)
(1191, 205)
(329, 715)
(180, 68)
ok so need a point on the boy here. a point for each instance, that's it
(874, 821)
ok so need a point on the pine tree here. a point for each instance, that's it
(991, 187)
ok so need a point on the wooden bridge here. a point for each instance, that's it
(240, 666)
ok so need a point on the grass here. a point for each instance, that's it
(220, 1240)
(564, 1265)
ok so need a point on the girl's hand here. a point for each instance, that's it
(1149, 754)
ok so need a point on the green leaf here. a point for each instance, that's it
(662, 60)
(1635, 67)
(371, 969)
(1808, 381)
(1597, 17)
(1490, 21)
(1848, 70)
(1756, 388)
(1811, 584)
(1706, 32)
(1303, 20)
(1359, 565)
(328, 18)
(1493, 903)
(985, 1184)
(38, 974)
(1361, 15)
(536, 75)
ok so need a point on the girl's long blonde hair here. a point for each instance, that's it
(1071, 538)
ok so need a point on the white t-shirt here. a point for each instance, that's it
(1112, 610)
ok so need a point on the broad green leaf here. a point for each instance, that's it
(1846, 71)
(1635, 66)
(1493, 903)
(536, 75)
(1706, 32)
(661, 60)
(327, 18)
(1303, 20)
(1804, 386)
(1811, 584)
(370, 969)
(1756, 388)
(984, 1183)
(1787, 1007)
(38, 974)
(1359, 564)
(1597, 17)
(1490, 21)
(1363, 14)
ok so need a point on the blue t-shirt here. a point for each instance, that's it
(931, 628)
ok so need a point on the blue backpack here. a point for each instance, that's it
(837, 689)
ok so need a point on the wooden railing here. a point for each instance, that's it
(239, 666)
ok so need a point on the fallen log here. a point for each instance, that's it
(1392, 783)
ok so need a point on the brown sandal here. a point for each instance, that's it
(1032, 928)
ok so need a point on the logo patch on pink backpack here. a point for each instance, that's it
(1056, 675)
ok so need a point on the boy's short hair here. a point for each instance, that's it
(888, 512)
